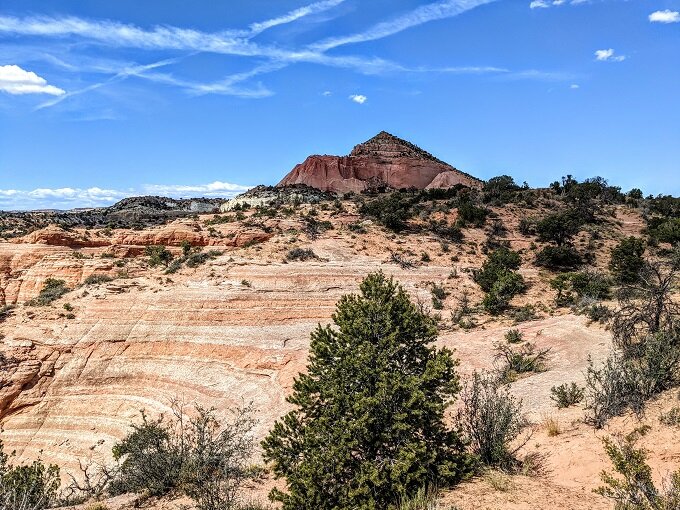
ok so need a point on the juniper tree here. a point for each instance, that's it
(368, 425)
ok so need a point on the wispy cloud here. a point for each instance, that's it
(416, 17)
(545, 4)
(120, 75)
(315, 8)
(69, 198)
(666, 16)
(233, 42)
(358, 98)
(608, 55)
(15, 80)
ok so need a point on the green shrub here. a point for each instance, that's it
(470, 214)
(5, 311)
(591, 284)
(204, 459)
(199, 258)
(340, 447)
(175, 266)
(567, 395)
(527, 226)
(527, 358)
(500, 190)
(558, 228)
(598, 313)
(498, 263)
(52, 290)
(627, 382)
(27, 487)
(634, 487)
(524, 313)
(491, 420)
(559, 258)
(667, 231)
(627, 259)
(439, 294)
(96, 279)
(503, 290)
(514, 336)
(158, 255)
(442, 229)
(357, 228)
(300, 254)
(392, 210)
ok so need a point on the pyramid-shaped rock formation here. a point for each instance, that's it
(383, 161)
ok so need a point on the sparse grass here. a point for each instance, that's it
(498, 480)
(552, 426)
(424, 499)
(97, 506)
(671, 418)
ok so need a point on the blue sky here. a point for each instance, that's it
(104, 99)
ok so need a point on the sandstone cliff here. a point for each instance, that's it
(237, 329)
(383, 161)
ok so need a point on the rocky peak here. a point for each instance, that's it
(385, 145)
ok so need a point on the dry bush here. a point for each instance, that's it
(491, 419)
(552, 426)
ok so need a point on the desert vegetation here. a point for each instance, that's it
(380, 417)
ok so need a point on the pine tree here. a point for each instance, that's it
(368, 425)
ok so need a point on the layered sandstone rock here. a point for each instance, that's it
(237, 330)
(383, 161)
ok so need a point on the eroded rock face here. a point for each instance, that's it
(383, 161)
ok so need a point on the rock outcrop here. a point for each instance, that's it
(271, 196)
(384, 161)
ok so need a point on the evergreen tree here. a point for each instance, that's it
(368, 427)
(627, 259)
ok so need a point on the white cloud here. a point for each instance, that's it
(423, 14)
(574, 86)
(15, 80)
(233, 42)
(544, 4)
(666, 16)
(69, 198)
(358, 98)
(326, 93)
(608, 55)
(213, 189)
(257, 28)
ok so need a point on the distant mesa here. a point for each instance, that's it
(384, 161)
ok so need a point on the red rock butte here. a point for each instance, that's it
(383, 161)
